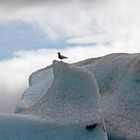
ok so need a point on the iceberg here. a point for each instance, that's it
(69, 110)
(118, 80)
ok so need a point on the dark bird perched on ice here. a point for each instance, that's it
(61, 56)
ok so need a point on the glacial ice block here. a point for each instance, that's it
(73, 100)
(118, 78)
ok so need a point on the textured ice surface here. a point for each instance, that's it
(20, 127)
(72, 97)
(39, 82)
(67, 108)
(118, 78)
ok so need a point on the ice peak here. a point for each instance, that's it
(72, 97)
(80, 83)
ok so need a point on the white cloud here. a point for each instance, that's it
(85, 40)
(57, 19)
(117, 20)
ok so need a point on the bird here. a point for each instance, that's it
(61, 56)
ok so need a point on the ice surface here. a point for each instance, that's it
(69, 110)
(21, 127)
(118, 78)
(39, 82)
(72, 97)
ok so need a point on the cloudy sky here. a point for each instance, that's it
(33, 31)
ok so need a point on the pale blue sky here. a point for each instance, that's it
(18, 35)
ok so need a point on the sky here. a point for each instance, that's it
(33, 31)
